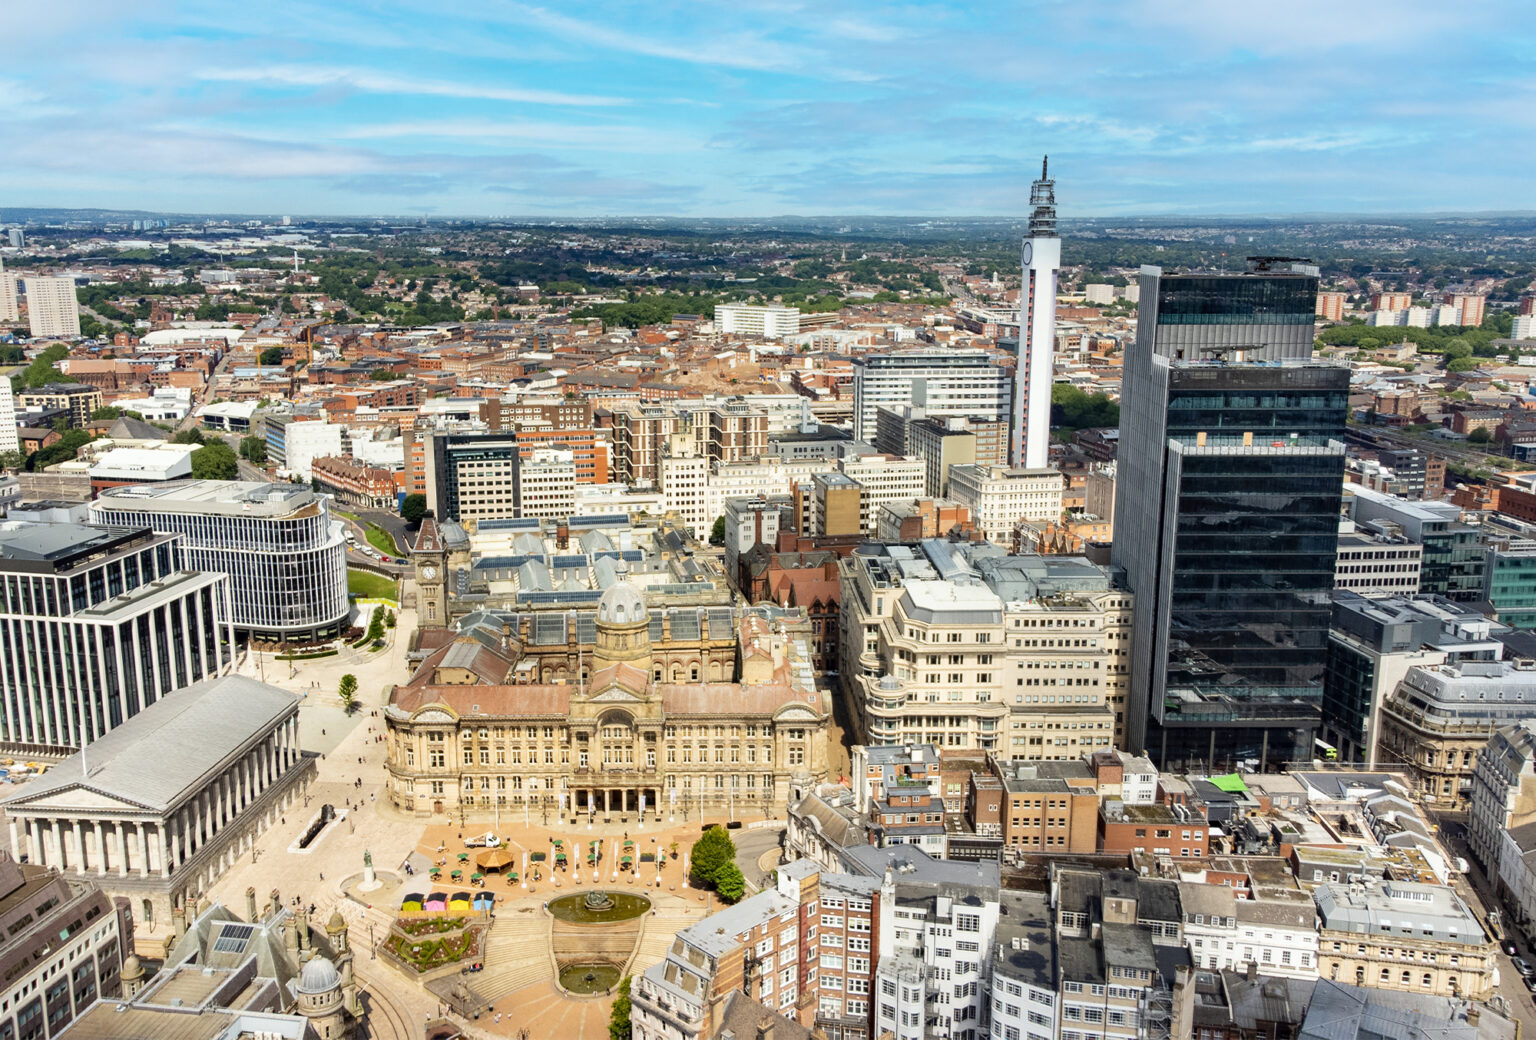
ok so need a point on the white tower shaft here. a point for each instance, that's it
(1031, 442)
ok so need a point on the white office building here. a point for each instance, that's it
(943, 382)
(107, 622)
(546, 484)
(742, 319)
(52, 307)
(999, 497)
(882, 479)
(286, 559)
(307, 441)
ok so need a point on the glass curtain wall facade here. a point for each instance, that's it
(1227, 520)
(99, 630)
(286, 559)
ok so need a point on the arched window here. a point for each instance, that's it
(693, 673)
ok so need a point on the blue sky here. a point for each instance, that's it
(766, 107)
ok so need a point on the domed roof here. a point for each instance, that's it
(318, 975)
(337, 923)
(622, 604)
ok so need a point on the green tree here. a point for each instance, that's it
(414, 507)
(729, 884)
(717, 533)
(12, 460)
(253, 449)
(1075, 409)
(192, 436)
(43, 369)
(346, 689)
(271, 356)
(618, 1018)
(710, 853)
(1480, 436)
(215, 461)
(1461, 364)
(106, 412)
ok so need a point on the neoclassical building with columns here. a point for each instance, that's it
(158, 808)
(478, 730)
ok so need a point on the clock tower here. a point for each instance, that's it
(430, 557)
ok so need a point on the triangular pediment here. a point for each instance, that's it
(616, 694)
(75, 798)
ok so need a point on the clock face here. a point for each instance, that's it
(429, 572)
(1029, 251)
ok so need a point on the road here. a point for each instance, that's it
(1474, 888)
(753, 848)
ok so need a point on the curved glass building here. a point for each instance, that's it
(285, 557)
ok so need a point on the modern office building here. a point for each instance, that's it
(744, 319)
(1372, 644)
(1509, 582)
(1452, 563)
(160, 807)
(544, 484)
(63, 948)
(52, 307)
(1229, 479)
(1377, 559)
(107, 622)
(285, 557)
(1041, 254)
(942, 382)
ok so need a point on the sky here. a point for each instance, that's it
(747, 108)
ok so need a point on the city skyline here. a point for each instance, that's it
(766, 109)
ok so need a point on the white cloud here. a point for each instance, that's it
(383, 83)
(564, 135)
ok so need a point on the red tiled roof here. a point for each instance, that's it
(489, 700)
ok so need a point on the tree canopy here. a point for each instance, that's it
(1075, 409)
(414, 507)
(270, 356)
(710, 854)
(215, 461)
(253, 449)
(618, 1018)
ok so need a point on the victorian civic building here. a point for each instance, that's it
(625, 710)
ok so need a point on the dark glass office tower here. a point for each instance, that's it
(1231, 468)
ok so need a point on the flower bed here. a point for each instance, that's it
(430, 925)
(426, 954)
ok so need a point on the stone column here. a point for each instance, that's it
(165, 848)
(122, 850)
(101, 848)
(143, 850)
(16, 840)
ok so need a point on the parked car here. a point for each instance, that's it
(1509, 947)
(1524, 968)
(1530, 984)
